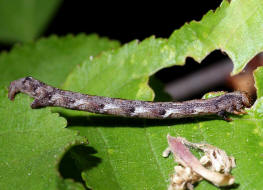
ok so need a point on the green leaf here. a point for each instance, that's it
(51, 59)
(131, 149)
(213, 94)
(257, 109)
(24, 20)
(258, 82)
(37, 133)
(32, 143)
(234, 28)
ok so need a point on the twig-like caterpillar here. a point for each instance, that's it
(46, 95)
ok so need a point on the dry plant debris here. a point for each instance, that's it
(214, 166)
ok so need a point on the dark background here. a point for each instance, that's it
(129, 20)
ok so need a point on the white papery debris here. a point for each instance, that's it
(214, 166)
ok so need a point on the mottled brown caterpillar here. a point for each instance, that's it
(46, 95)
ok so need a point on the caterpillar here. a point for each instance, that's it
(45, 95)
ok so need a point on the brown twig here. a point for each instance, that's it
(46, 95)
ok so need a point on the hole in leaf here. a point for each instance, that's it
(76, 160)
(193, 80)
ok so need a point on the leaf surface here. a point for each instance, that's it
(51, 59)
(33, 141)
(234, 28)
(131, 149)
(32, 144)
(24, 20)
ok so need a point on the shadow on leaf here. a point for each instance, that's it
(234, 186)
(114, 121)
(76, 160)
